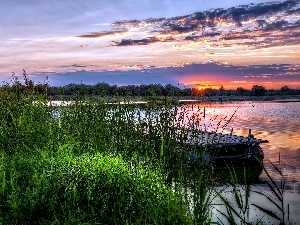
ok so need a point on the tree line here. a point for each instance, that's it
(105, 89)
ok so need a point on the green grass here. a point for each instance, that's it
(82, 167)
(86, 189)
(95, 163)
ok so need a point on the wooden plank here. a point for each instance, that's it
(208, 138)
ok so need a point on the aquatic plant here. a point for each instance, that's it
(93, 162)
(88, 188)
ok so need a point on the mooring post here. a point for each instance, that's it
(204, 119)
(288, 212)
(249, 134)
(249, 137)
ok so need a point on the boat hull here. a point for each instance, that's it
(226, 155)
(237, 155)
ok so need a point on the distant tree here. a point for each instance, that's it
(170, 90)
(28, 87)
(272, 92)
(258, 90)
(221, 90)
(187, 92)
(285, 90)
(210, 92)
(242, 91)
(207, 91)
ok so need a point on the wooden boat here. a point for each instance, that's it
(223, 150)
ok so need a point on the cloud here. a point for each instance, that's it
(101, 34)
(253, 26)
(129, 42)
(76, 66)
(247, 12)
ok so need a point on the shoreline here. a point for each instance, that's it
(178, 99)
(275, 98)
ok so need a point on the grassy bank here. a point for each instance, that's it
(97, 163)
(81, 166)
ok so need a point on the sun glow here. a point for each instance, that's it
(203, 87)
(203, 84)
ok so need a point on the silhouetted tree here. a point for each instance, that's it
(285, 90)
(221, 90)
(258, 90)
(242, 91)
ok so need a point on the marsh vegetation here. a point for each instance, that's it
(97, 163)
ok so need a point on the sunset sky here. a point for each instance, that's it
(234, 43)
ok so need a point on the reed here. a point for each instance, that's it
(277, 197)
(93, 162)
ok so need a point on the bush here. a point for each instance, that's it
(90, 189)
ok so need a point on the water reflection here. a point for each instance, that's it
(276, 122)
(279, 124)
(291, 207)
(241, 175)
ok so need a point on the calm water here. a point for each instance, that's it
(279, 123)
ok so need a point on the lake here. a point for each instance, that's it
(277, 122)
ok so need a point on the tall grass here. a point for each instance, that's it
(98, 163)
(80, 167)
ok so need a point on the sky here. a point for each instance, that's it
(203, 43)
